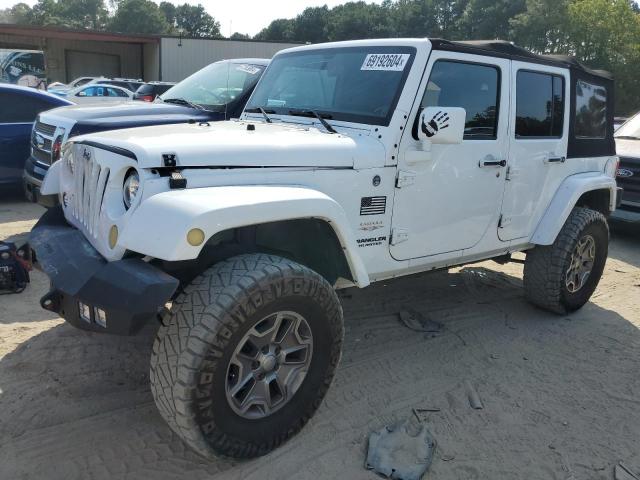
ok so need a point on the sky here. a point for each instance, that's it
(244, 16)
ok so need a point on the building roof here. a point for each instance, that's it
(75, 34)
(504, 49)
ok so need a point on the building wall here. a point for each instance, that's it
(151, 62)
(130, 54)
(177, 62)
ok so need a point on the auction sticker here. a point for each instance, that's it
(392, 62)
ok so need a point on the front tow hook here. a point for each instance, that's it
(51, 302)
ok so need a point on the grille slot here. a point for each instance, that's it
(45, 128)
(90, 183)
(42, 156)
(630, 184)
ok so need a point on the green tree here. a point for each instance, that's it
(489, 19)
(355, 20)
(277, 31)
(196, 22)
(169, 11)
(542, 26)
(239, 36)
(606, 34)
(139, 16)
(19, 13)
(311, 25)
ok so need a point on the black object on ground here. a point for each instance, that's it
(15, 264)
(401, 452)
(418, 322)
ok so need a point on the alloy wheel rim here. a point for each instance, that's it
(269, 365)
(582, 261)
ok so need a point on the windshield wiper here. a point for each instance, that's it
(182, 101)
(313, 113)
(262, 111)
(627, 137)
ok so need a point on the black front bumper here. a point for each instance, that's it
(128, 291)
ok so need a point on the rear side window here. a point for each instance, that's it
(17, 108)
(539, 105)
(591, 110)
(471, 86)
(115, 92)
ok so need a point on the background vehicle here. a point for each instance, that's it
(99, 93)
(229, 82)
(336, 175)
(618, 122)
(23, 67)
(127, 83)
(150, 91)
(628, 177)
(19, 107)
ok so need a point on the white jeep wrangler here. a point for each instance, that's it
(353, 162)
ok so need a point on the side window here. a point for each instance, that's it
(87, 92)
(115, 92)
(471, 86)
(21, 108)
(539, 105)
(591, 110)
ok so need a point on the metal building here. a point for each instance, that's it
(74, 53)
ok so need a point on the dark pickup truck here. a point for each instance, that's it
(217, 92)
(628, 178)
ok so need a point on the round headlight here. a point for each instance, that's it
(130, 189)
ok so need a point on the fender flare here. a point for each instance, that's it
(566, 197)
(158, 227)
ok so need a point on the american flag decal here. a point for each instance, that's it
(373, 205)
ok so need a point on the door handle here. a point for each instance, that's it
(555, 159)
(491, 161)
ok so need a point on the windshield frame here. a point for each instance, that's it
(337, 116)
(630, 128)
(223, 107)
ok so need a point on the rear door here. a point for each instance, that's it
(538, 144)
(449, 197)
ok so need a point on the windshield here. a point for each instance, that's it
(358, 84)
(631, 129)
(217, 85)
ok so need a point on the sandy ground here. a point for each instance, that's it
(561, 395)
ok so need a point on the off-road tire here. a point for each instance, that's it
(194, 343)
(545, 267)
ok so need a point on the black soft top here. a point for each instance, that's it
(577, 147)
(504, 49)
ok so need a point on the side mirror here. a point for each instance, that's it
(442, 125)
(82, 94)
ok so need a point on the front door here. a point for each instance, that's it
(449, 196)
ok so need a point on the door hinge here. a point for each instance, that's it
(405, 179)
(399, 235)
(507, 176)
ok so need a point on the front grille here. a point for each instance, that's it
(90, 182)
(43, 157)
(630, 184)
(45, 128)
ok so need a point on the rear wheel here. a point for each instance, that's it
(562, 277)
(247, 355)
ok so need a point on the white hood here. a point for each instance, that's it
(243, 144)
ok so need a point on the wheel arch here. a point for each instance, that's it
(592, 190)
(298, 223)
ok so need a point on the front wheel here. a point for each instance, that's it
(562, 277)
(247, 355)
